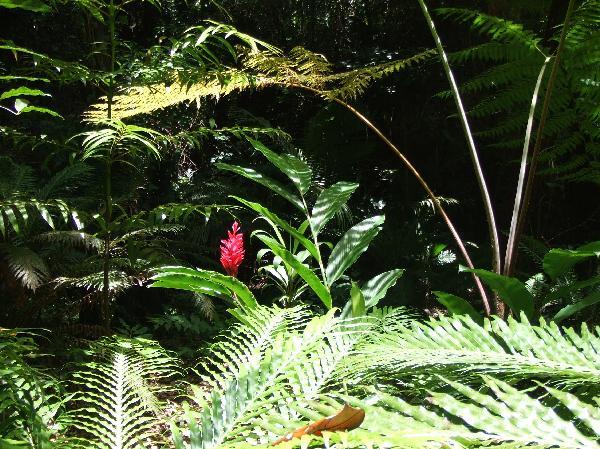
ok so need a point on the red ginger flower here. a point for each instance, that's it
(232, 250)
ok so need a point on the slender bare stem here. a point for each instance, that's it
(523, 169)
(489, 210)
(417, 175)
(538, 140)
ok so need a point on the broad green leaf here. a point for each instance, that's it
(263, 180)
(303, 271)
(329, 202)
(204, 281)
(358, 301)
(376, 289)
(22, 91)
(312, 249)
(565, 312)
(351, 246)
(559, 261)
(294, 168)
(40, 110)
(511, 290)
(29, 5)
(458, 306)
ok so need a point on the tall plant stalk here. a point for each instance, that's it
(510, 246)
(105, 307)
(487, 202)
(538, 142)
(438, 205)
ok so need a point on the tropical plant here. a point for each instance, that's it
(306, 238)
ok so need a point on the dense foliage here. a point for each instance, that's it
(348, 223)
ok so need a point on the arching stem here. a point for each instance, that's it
(438, 206)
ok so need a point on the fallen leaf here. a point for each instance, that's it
(347, 418)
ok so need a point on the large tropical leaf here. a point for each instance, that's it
(203, 281)
(353, 243)
(263, 180)
(294, 168)
(299, 236)
(511, 290)
(303, 270)
(375, 289)
(558, 261)
(329, 202)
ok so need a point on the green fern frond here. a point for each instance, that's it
(458, 345)
(64, 180)
(276, 363)
(117, 395)
(301, 68)
(513, 57)
(511, 415)
(30, 403)
(117, 281)
(496, 28)
(26, 265)
(71, 239)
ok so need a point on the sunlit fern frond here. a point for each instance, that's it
(300, 69)
(257, 384)
(458, 346)
(147, 99)
(27, 266)
(117, 281)
(116, 398)
(508, 415)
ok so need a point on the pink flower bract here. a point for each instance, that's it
(232, 250)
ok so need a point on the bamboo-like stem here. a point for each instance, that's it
(487, 202)
(538, 142)
(440, 209)
(105, 307)
(510, 246)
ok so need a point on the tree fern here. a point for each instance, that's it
(514, 56)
